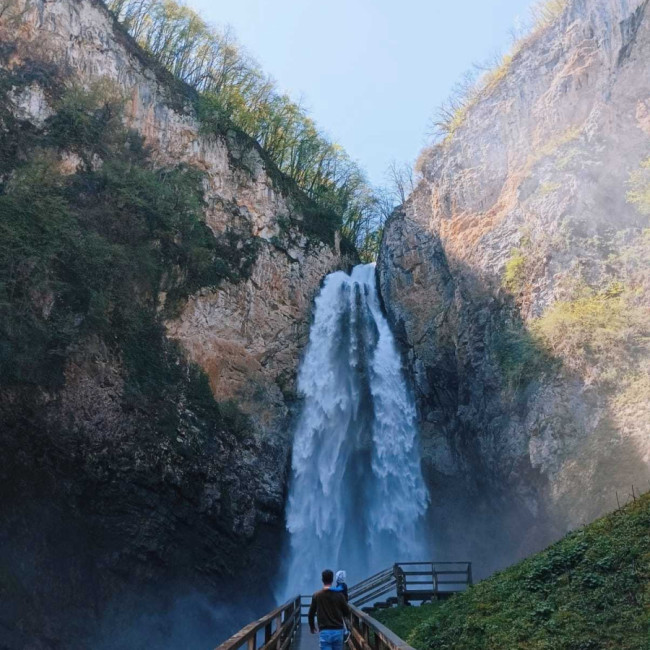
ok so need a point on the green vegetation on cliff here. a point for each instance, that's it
(518, 354)
(230, 90)
(599, 334)
(599, 328)
(589, 591)
(120, 471)
(99, 244)
(514, 274)
(639, 188)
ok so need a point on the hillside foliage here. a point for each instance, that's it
(589, 591)
(98, 244)
(234, 90)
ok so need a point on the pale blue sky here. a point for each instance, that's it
(370, 71)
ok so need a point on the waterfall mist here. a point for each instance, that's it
(357, 496)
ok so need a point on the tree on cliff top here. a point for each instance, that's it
(234, 90)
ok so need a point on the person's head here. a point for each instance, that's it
(328, 577)
(340, 577)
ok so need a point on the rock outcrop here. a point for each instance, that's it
(102, 511)
(516, 276)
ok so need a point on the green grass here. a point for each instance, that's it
(403, 620)
(589, 591)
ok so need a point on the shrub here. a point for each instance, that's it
(548, 188)
(552, 146)
(497, 74)
(515, 271)
(88, 122)
(546, 12)
(639, 188)
(518, 353)
(596, 332)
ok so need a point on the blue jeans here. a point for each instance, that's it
(331, 639)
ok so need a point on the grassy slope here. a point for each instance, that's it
(590, 590)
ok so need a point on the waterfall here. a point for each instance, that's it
(356, 496)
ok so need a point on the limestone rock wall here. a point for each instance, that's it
(241, 332)
(132, 522)
(520, 231)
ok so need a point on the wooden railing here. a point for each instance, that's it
(408, 581)
(414, 581)
(369, 634)
(377, 585)
(275, 631)
(418, 581)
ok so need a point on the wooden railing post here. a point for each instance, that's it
(469, 573)
(434, 580)
(277, 628)
(400, 583)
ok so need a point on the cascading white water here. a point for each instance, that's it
(357, 495)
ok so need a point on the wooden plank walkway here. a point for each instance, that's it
(285, 628)
(305, 640)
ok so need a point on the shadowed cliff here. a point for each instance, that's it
(516, 277)
(155, 289)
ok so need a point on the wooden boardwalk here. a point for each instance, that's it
(304, 639)
(404, 583)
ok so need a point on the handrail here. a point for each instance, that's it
(378, 578)
(369, 634)
(417, 580)
(376, 585)
(428, 562)
(279, 627)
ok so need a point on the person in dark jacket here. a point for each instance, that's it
(330, 609)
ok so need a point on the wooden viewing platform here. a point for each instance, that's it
(403, 583)
(413, 582)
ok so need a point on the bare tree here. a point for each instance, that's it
(401, 180)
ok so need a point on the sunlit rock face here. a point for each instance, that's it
(516, 278)
(121, 524)
(242, 333)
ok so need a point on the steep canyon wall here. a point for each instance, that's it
(126, 502)
(516, 277)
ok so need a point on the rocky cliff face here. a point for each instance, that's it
(516, 276)
(98, 496)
